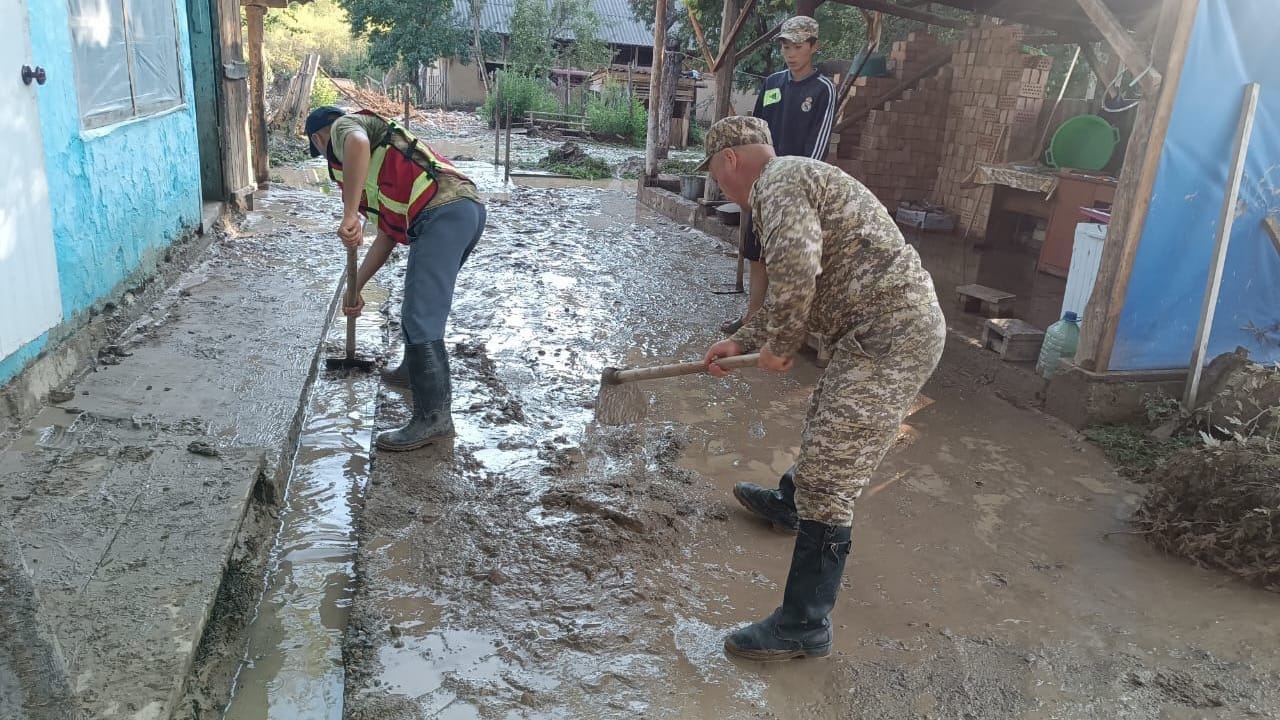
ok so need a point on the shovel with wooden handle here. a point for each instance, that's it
(350, 362)
(621, 402)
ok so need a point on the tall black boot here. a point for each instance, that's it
(778, 506)
(802, 626)
(399, 375)
(432, 396)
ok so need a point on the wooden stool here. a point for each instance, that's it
(986, 301)
(1014, 340)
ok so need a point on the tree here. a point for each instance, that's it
(551, 34)
(412, 32)
(842, 31)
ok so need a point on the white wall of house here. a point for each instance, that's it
(743, 102)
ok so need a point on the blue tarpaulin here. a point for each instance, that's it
(1233, 43)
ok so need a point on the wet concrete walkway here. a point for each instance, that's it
(546, 567)
(122, 503)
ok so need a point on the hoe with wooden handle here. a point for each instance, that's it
(621, 402)
(350, 362)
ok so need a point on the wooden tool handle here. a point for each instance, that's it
(351, 300)
(685, 368)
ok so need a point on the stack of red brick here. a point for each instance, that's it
(896, 151)
(997, 93)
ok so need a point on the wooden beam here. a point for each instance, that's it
(1226, 218)
(274, 4)
(254, 15)
(1133, 195)
(1123, 44)
(728, 42)
(906, 83)
(702, 39)
(1091, 59)
(905, 12)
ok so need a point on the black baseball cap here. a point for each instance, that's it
(319, 119)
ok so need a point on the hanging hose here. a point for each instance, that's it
(1114, 93)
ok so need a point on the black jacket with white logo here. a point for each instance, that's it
(799, 113)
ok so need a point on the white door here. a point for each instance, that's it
(30, 302)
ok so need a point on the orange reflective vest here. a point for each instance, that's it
(402, 179)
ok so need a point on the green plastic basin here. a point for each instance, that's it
(1084, 142)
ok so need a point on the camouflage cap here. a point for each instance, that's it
(735, 131)
(799, 29)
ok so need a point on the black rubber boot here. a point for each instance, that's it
(777, 507)
(802, 626)
(398, 376)
(432, 396)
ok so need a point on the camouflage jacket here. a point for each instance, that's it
(835, 257)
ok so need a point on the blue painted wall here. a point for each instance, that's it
(119, 193)
(1232, 44)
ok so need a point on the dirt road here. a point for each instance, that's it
(547, 567)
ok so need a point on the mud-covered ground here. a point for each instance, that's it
(543, 566)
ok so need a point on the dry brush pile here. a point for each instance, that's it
(1218, 502)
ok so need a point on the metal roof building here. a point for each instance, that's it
(618, 25)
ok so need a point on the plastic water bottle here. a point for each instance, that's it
(1060, 341)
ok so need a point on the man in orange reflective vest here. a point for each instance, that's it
(416, 198)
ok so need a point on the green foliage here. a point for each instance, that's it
(539, 29)
(588, 168)
(520, 93)
(408, 31)
(1133, 449)
(323, 92)
(697, 135)
(322, 27)
(614, 113)
(842, 32)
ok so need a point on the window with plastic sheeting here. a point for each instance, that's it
(127, 60)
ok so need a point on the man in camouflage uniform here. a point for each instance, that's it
(839, 268)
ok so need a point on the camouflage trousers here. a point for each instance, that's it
(875, 374)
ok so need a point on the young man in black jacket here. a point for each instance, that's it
(799, 105)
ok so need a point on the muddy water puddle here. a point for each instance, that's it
(293, 664)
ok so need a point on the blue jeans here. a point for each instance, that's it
(440, 241)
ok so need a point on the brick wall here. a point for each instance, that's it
(997, 93)
(983, 107)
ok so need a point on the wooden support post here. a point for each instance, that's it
(730, 41)
(655, 89)
(497, 117)
(237, 166)
(724, 82)
(1119, 40)
(1133, 194)
(506, 177)
(407, 93)
(672, 62)
(1226, 219)
(254, 15)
